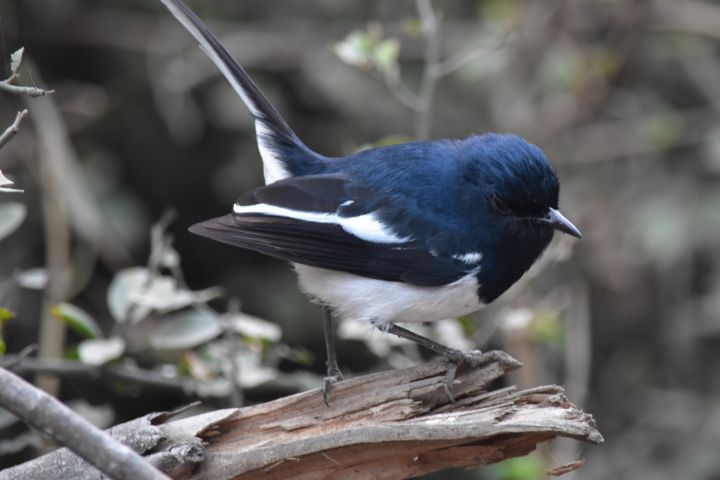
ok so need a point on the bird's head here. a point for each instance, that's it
(515, 197)
(520, 189)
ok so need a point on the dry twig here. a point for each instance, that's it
(55, 419)
(13, 128)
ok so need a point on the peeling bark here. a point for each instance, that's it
(388, 425)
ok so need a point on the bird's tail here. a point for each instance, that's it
(282, 151)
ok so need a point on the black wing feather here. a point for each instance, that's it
(328, 246)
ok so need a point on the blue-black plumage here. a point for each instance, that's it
(414, 232)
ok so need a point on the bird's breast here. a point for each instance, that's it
(353, 297)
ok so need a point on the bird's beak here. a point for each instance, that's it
(558, 221)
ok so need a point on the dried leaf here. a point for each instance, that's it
(251, 372)
(16, 59)
(567, 468)
(123, 287)
(33, 278)
(255, 327)
(12, 215)
(6, 181)
(100, 351)
(163, 295)
(186, 329)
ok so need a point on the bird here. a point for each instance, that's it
(406, 233)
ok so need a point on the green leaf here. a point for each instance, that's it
(522, 468)
(546, 327)
(5, 315)
(16, 59)
(300, 355)
(2, 347)
(12, 215)
(355, 49)
(412, 26)
(467, 325)
(71, 353)
(501, 11)
(77, 319)
(386, 55)
(368, 50)
(663, 130)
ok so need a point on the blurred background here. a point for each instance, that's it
(143, 137)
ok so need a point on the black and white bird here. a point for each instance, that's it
(415, 232)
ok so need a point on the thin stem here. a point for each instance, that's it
(47, 414)
(7, 86)
(406, 96)
(236, 394)
(52, 176)
(431, 31)
(459, 60)
(13, 129)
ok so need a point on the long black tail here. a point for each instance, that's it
(282, 151)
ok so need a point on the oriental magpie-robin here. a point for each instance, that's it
(414, 232)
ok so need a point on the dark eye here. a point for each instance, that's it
(500, 206)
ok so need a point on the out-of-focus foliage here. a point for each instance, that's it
(5, 315)
(523, 468)
(5, 184)
(366, 49)
(77, 319)
(12, 215)
(156, 314)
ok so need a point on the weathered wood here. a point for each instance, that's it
(388, 425)
(47, 414)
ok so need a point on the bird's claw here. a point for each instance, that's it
(473, 359)
(328, 383)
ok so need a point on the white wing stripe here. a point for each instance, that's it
(366, 227)
(469, 258)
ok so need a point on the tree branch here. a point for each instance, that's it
(55, 419)
(13, 128)
(147, 378)
(390, 425)
(20, 90)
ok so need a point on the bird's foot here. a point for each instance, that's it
(473, 359)
(333, 377)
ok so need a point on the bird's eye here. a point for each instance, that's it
(500, 206)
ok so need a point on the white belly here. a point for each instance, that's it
(378, 301)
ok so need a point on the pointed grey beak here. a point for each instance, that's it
(558, 221)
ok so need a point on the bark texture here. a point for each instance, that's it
(389, 425)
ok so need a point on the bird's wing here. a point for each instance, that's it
(276, 141)
(330, 222)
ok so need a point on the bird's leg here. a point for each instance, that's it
(456, 357)
(333, 371)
